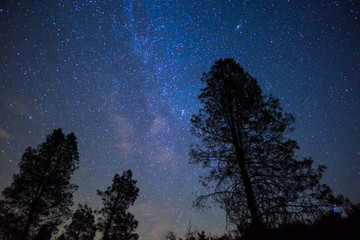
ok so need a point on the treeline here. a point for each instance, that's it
(40, 197)
(250, 170)
(330, 226)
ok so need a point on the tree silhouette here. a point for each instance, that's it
(241, 139)
(82, 226)
(41, 194)
(170, 235)
(46, 231)
(116, 222)
(195, 235)
(9, 222)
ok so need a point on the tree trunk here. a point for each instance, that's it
(106, 232)
(250, 197)
(240, 157)
(29, 221)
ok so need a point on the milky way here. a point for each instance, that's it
(124, 77)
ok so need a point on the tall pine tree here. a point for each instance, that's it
(242, 140)
(41, 194)
(115, 221)
(82, 226)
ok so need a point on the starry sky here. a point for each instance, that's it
(124, 76)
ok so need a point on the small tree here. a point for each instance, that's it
(242, 141)
(116, 222)
(82, 226)
(41, 194)
(170, 235)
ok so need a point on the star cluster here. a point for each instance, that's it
(124, 77)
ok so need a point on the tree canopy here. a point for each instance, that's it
(115, 221)
(253, 171)
(41, 194)
(82, 226)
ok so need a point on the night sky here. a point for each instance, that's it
(124, 76)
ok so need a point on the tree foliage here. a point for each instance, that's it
(115, 221)
(9, 222)
(41, 194)
(242, 140)
(195, 235)
(82, 226)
